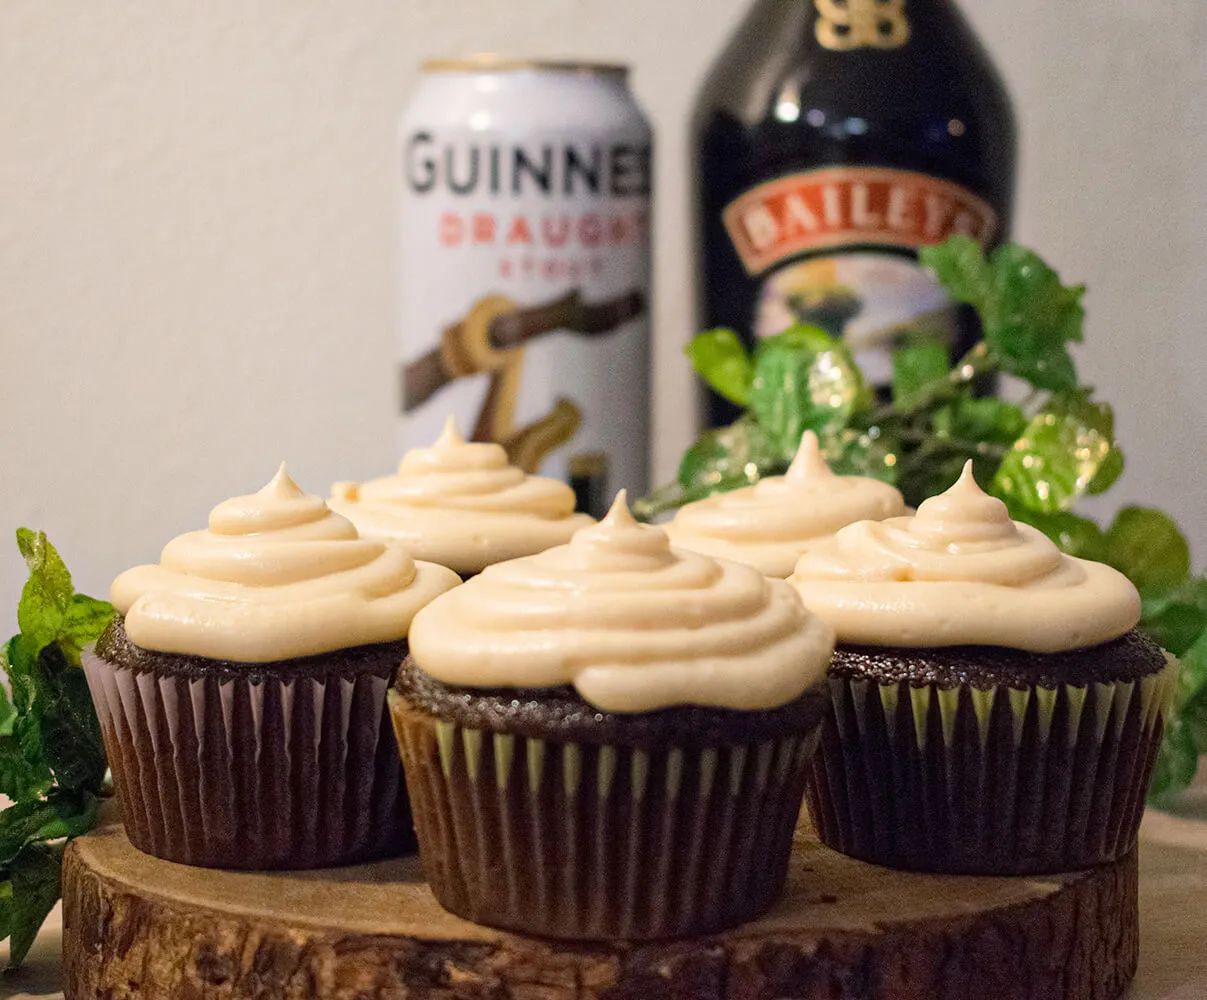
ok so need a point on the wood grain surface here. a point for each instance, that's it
(140, 929)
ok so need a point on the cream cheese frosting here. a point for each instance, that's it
(961, 572)
(631, 623)
(276, 575)
(768, 525)
(463, 505)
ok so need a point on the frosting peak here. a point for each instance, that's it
(618, 541)
(619, 515)
(279, 504)
(809, 465)
(451, 436)
(961, 572)
(462, 504)
(768, 525)
(964, 513)
(276, 575)
(451, 453)
(633, 624)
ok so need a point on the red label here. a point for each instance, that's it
(851, 205)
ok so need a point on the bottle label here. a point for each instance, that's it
(849, 206)
(833, 249)
(843, 25)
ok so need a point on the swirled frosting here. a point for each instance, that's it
(769, 524)
(631, 623)
(462, 505)
(276, 575)
(961, 572)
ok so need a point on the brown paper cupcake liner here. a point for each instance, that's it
(996, 781)
(572, 840)
(275, 773)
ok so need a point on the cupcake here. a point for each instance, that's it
(462, 505)
(768, 525)
(242, 688)
(609, 740)
(995, 710)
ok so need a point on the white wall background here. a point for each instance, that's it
(197, 234)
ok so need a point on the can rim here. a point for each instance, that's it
(491, 62)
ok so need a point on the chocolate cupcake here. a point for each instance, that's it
(462, 505)
(994, 709)
(768, 525)
(241, 690)
(610, 740)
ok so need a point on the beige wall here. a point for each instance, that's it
(197, 211)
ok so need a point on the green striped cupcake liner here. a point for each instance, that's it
(987, 780)
(579, 841)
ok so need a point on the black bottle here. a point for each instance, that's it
(833, 138)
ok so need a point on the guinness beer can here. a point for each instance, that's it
(526, 266)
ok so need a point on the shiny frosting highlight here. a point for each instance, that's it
(631, 623)
(463, 505)
(961, 572)
(768, 525)
(276, 575)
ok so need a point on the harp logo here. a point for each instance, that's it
(843, 25)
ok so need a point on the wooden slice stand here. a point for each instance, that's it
(140, 929)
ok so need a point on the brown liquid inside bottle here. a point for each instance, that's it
(833, 138)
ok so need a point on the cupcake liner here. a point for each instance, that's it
(987, 781)
(271, 772)
(574, 840)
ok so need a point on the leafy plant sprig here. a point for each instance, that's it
(1040, 455)
(52, 760)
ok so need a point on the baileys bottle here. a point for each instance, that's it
(833, 139)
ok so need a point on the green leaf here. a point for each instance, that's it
(83, 622)
(6, 908)
(801, 338)
(660, 500)
(931, 469)
(58, 816)
(1076, 535)
(804, 380)
(48, 590)
(916, 364)
(837, 386)
(20, 661)
(1176, 627)
(37, 876)
(726, 458)
(961, 268)
(1176, 617)
(1108, 472)
(21, 824)
(23, 770)
(851, 452)
(1186, 728)
(719, 357)
(1192, 679)
(962, 429)
(24, 773)
(71, 735)
(52, 761)
(980, 421)
(8, 714)
(1177, 762)
(1030, 317)
(1058, 455)
(1147, 547)
(21, 779)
